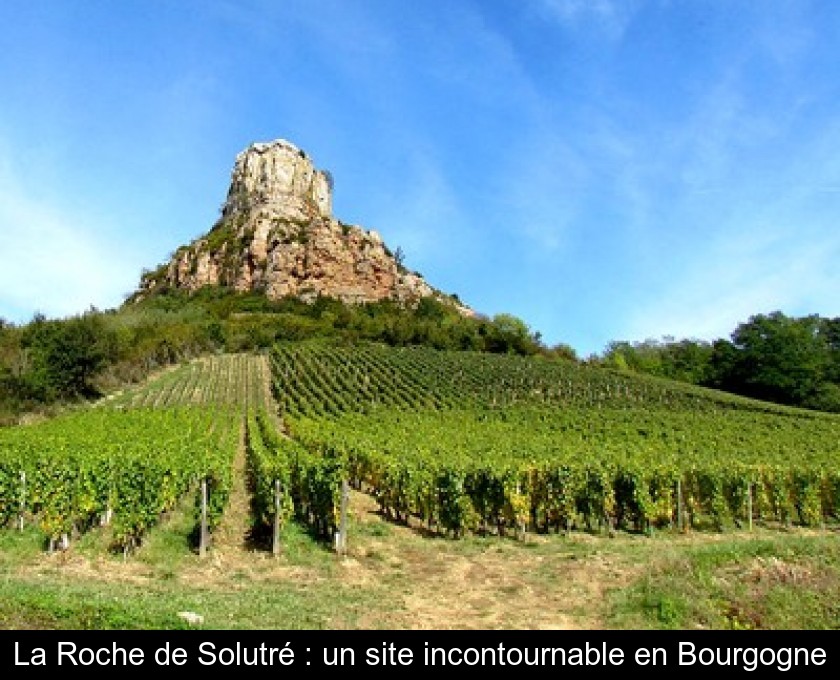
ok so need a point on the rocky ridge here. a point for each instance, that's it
(277, 235)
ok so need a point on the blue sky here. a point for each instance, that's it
(603, 169)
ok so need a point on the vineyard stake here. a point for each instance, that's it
(275, 546)
(22, 498)
(341, 538)
(202, 542)
(749, 506)
(679, 506)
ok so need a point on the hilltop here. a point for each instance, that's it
(277, 266)
(277, 236)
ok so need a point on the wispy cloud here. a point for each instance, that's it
(51, 263)
(541, 190)
(426, 219)
(737, 280)
(610, 17)
(766, 241)
(725, 207)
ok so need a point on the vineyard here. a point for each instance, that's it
(235, 380)
(374, 452)
(454, 442)
(468, 442)
(322, 379)
(128, 462)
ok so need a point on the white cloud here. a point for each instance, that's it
(748, 269)
(50, 262)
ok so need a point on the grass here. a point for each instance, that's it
(394, 577)
(772, 580)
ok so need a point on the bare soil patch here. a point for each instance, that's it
(503, 584)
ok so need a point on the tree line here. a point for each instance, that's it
(49, 361)
(787, 360)
(775, 357)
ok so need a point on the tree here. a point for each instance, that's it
(506, 334)
(724, 367)
(781, 358)
(831, 333)
(687, 360)
(399, 258)
(771, 356)
(563, 351)
(431, 309)
(65, 355)
(641, 357)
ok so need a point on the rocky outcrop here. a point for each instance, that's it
(277, 235)
(280, 178)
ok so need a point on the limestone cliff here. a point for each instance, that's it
(277, 235)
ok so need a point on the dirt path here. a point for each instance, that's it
(233, 533)
(505, 584)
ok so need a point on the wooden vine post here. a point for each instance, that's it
(202, 541)
(749, 506)
(679, 506)
(341, 535)
(22, 508)
(275, 544)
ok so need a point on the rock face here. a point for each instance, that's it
(277, 235)
(279, 177)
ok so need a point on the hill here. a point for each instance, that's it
(373, 406)
(531, 464)
(277, 236)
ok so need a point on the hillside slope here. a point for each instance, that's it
(437, 442)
